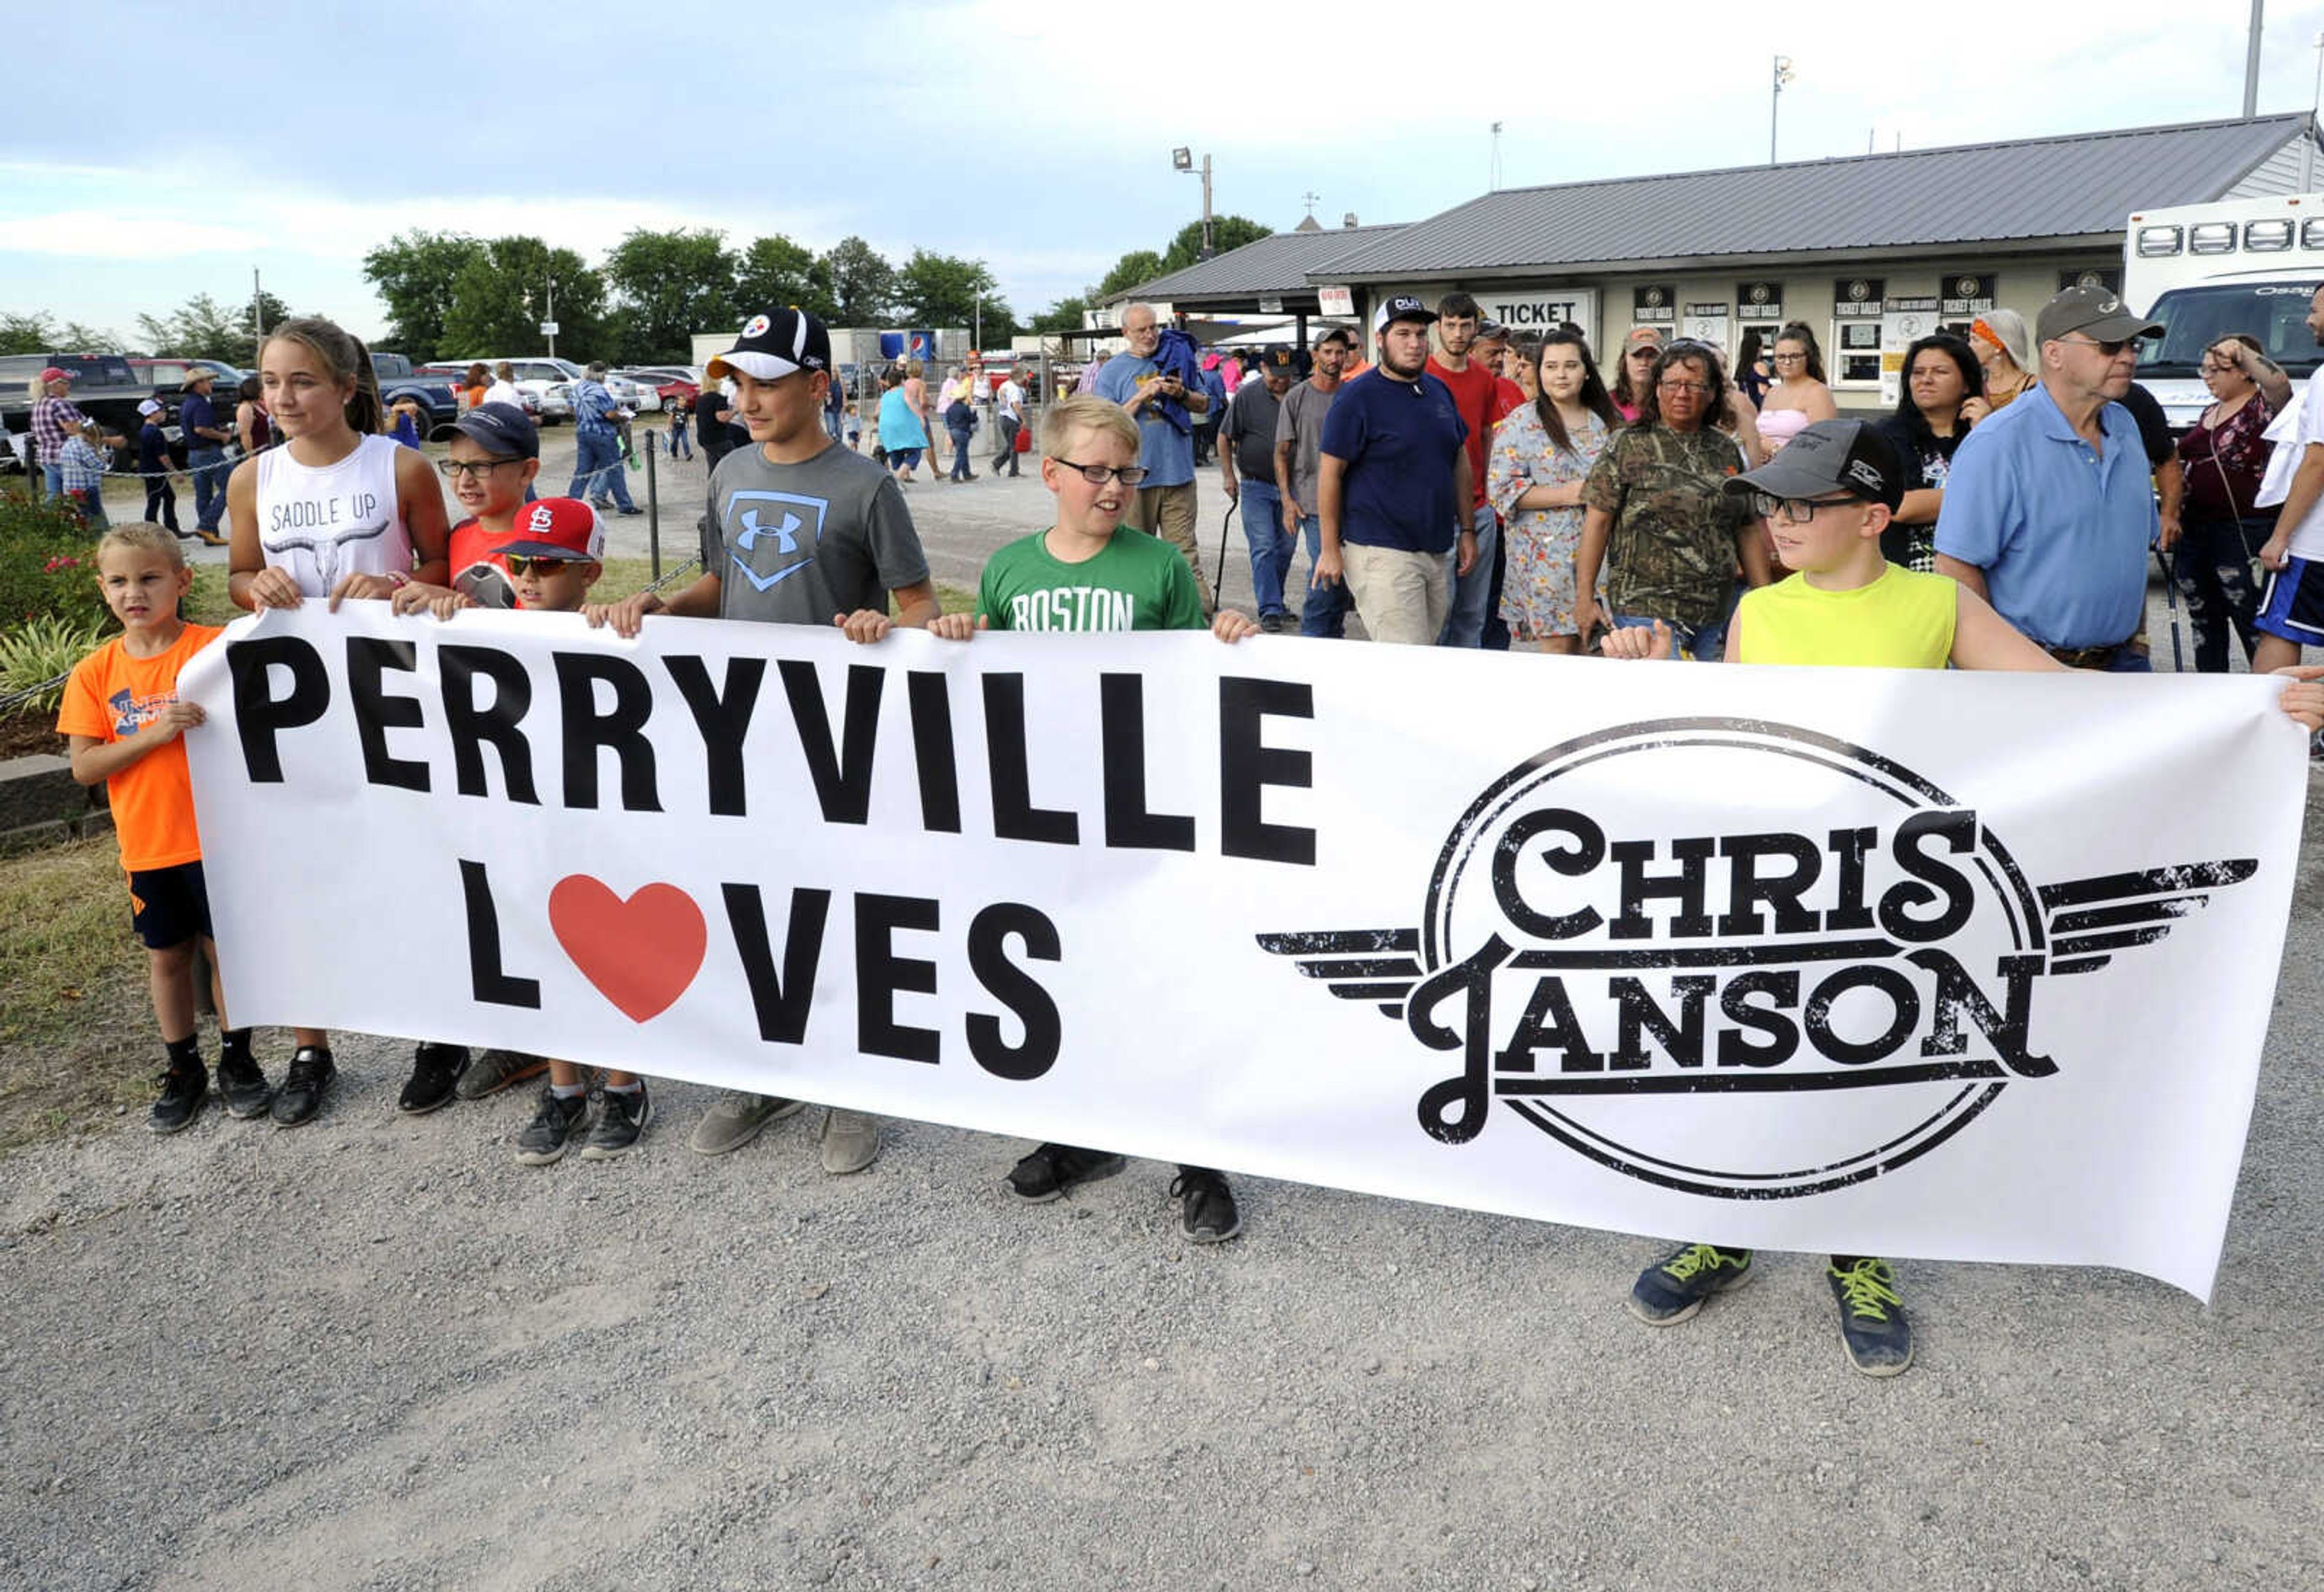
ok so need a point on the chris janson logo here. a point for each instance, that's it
(1850, 964)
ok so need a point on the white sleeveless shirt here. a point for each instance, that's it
(319, 526)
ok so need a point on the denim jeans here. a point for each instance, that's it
(2212, 567)
(1465, 625)
(1271, 546)
(598, 469)
(834, 421)
(1706, 645)
(161, 503)
(207, 467)
(681, 444)
(1323, 609)
(53, 476)
(1009, 425)
(960, 440)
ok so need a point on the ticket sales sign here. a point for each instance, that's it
(1849, 960)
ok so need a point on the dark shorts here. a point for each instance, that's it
(903, 458)
(2291, 608)
(169, 906)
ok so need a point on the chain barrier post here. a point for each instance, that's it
(653, 507)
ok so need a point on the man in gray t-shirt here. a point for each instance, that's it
(800, 530)
(1298, 443)
(801, 543)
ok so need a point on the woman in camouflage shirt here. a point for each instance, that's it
(1657, 525)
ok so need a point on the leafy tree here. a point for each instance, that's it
(414, 273)
(500, 298)
(271, 312)
(863, 283)
(775, 271)
(1138, 265)
(200, 329)
(1064, 315)
(37, 334)
(672, 284)
(1227, 232)
(938, 290)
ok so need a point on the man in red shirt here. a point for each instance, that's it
(1474, 386)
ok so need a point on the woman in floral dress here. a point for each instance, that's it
(1539, 459)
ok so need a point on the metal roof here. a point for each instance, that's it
(1280, 262)
(2082, 185)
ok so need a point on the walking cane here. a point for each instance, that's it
(2170, 599)
(1218, 587)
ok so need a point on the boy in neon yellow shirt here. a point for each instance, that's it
(1826, 498)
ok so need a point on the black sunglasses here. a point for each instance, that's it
(523, 564)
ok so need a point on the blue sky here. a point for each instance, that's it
(1032, 133)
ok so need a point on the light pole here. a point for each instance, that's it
(2308, 133)
(1183, 159)
(1782, 75)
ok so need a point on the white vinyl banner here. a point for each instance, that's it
(1941, 965)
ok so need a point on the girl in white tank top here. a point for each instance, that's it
(320, 523)
(335, 510)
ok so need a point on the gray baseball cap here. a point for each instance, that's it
(2097, 313)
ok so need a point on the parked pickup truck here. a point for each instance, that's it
(438, 398)
(105, 388)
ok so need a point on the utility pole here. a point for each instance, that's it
(548, 318)
(257, 320)
(1183, 159)
(2251, 64)
(1493, 176)
(1782, 75)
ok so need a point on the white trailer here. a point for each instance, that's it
(2208, 270)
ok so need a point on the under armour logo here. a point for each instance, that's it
(752, 531)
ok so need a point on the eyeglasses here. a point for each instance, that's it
(1788, 358)
(1697, 387)
(524, 564)
(2112, 347)
(1097, 475)
(456, 469)
(1794, 511)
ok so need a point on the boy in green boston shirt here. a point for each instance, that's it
(1090, 572)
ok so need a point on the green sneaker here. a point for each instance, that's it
(1871, 1316)
(1674, 1287)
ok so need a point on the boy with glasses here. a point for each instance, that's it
(1826, 498)
(1093, 571)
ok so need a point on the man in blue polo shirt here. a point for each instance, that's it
(1151, 381)
(1393, 486)
(2049, 508)
(206, 442)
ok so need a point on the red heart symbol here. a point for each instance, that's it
(641, 953)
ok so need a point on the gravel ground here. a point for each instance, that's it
(377, 1353)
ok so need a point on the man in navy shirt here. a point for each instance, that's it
(206, 442)
(1394, 486)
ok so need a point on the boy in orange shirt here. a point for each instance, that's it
(123, 722)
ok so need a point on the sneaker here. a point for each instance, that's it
(549, 1135)
(241, 1086)
(1206, 1207)
(737, 1119)
(1275, 623)
(1872, 1317)
(604, 503)
(1050, 1171)
(495, 1070)
(849, 1142)
(1674, 1288)
(301, 1094)
(183, 1091)
(621, 1117)
(435, 1073)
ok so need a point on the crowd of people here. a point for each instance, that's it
(1647, 519)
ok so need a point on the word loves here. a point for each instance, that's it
(586, 728)
(1875, 971)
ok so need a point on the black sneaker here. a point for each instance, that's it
(1206, 1207)
(621, 1117)
(1050, 1171)
(183, 1091)
(549, 1135)
(241, 1086)
(1871, 1316)
(1674, 1288)
(435, 1073)
(301, 1094)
